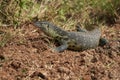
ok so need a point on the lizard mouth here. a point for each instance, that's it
(38, 23)
(41, 23)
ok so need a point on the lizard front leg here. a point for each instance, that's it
(64, 45)
(60, 48)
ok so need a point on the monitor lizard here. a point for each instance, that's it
(80, 40)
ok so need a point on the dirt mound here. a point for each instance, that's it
(27, 56)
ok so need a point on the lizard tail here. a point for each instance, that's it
(50, 29)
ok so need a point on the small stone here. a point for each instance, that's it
(63, 70)
(2, 57)
(94, 59)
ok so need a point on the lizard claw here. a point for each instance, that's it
(54, 50)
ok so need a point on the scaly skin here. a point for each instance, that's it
(79, 41)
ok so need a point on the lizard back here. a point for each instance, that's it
(84, 40)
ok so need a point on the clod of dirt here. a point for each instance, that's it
(93, 78)
(2, 57)
(86, 77)
(16, 65)
(39, 74)
(109, 75)
(82, 55)
(93, 71)
(94, 59)
(82, 62)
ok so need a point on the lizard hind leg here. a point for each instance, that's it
(103, 42)
(79, 29)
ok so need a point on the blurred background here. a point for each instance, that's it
(65, 13)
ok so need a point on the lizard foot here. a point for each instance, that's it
(60, 48)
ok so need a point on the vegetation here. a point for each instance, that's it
(15, 12)
(65, 13)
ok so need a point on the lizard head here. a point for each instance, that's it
(47, 28)
(43, 25)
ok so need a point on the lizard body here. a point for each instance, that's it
(80, 40)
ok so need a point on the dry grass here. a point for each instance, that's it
(15, 12)
(64, 13)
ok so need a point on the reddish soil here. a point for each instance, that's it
(27, 56)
